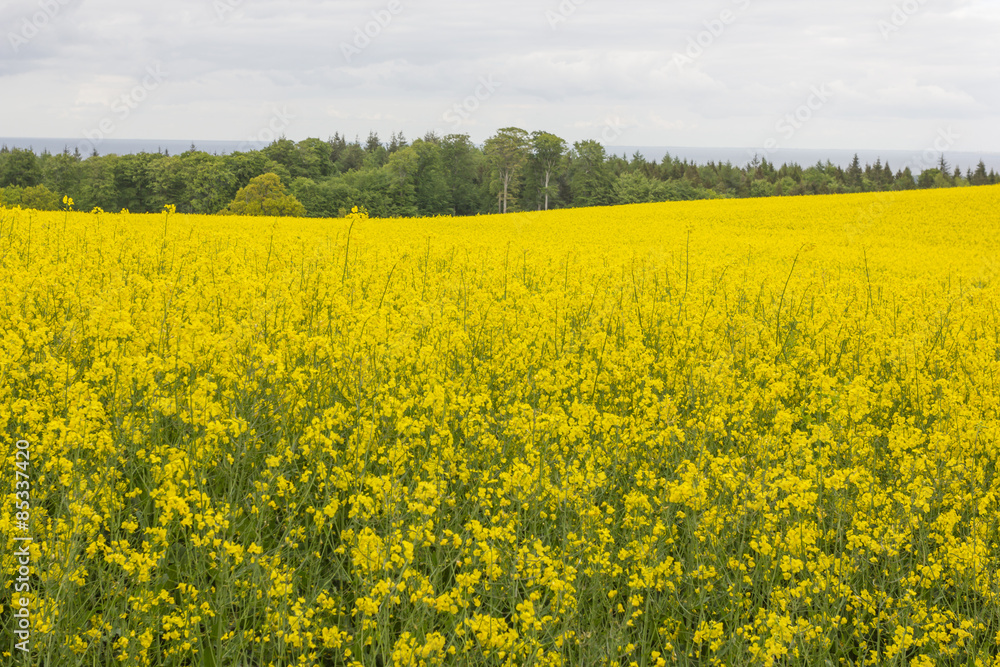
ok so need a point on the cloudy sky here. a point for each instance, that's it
(851, 74)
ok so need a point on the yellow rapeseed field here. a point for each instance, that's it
(739, 432)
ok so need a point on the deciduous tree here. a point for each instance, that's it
(507, 151)
(265, 195)
(548, 151)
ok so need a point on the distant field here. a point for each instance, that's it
(740, 432)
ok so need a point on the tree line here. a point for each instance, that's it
(436, 175)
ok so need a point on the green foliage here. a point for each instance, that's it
(935, 178)
(821, 180)
(506, 151)
(465, 171)
(61, 172)
(449, 175)
(97, 189)
(980, 177)
(547, 151)
(132, 179)
(761, 188)
(19, 167)
(682, 191)
(591, 178)
(265, 195)
(376, 190)
(633, 188)
(36, 197)
(430, 187)
(209, 182)
(325, 199)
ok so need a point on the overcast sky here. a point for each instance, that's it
(852, 74)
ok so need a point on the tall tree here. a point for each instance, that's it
(397, 141)
(352, 158)
(314, 159)
(337, 146)
(462, 164)
(402, 167)
(548, 151)
(854, 173)
(97, 186)
(432, 194)
(284, 152)
(591, 177)
(507, 151)
(133, 182)
(375, 156)
(168, 183)
(210, 182)
(979, 177)
(942, 165)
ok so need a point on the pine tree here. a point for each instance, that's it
(853, 176)
(979, 177)
(942, 165)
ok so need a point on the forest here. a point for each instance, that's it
(436, 175)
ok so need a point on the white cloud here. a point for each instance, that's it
(755, 64)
